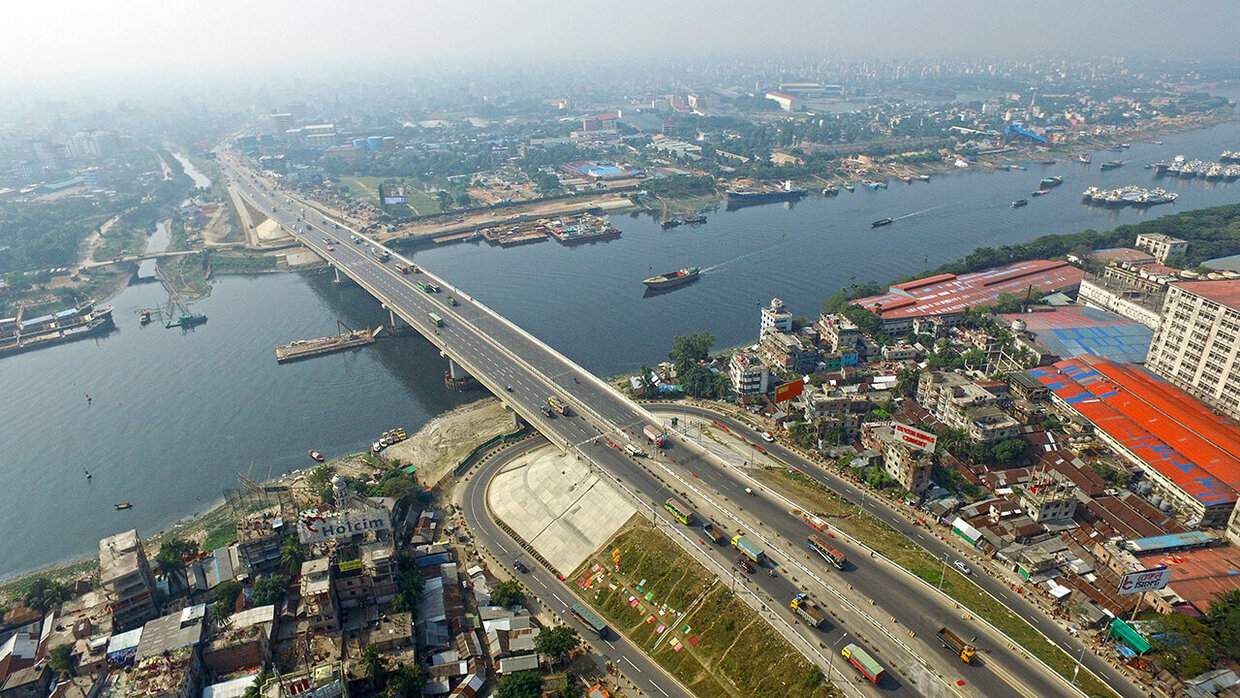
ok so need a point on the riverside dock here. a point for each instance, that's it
(309, 348)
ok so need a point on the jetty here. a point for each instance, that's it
(309, 348)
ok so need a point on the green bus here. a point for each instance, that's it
(435, 319)
(590, 620)
(678, 510)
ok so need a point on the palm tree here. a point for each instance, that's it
(292, 555)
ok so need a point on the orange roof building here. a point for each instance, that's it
(1190, 454)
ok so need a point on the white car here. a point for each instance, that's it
(964, 569)
(768, 437)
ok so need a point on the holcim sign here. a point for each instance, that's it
(915, 437)
(1145, 580)
(316, 529)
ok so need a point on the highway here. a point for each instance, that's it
(557, 595)
(930, 542)
(499, 354)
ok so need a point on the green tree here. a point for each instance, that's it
(689, 350)
(463, 199)
(1224, 618)
(270, 589)
(906, 381)
(648, 389)
(1009, 451)
(60, 660)
(44, 594)
(406, 680)
(445, 199)
(374, 665)
(1186, 646)
(523, 684)
(507, 593)
(225, 594)
(174, 552)
(400, 487)
(556, 641)
(292, 555)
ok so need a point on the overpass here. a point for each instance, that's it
(501, 355)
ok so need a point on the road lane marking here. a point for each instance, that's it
(652, 683)
(631, 663)
(557, 598)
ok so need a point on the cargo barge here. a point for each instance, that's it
(17, 334)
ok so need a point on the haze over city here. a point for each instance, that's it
(615, 349)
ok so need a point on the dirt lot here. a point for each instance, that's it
(439, 446)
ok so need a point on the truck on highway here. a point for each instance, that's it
(589, 619)
(657, 436)
(711, 533)
(748, 548)
(558, 405)
(381, 254)
(828, 553)
(866, 664)
(807, 610)
(438, 321)
(956, 644)
(634, 451)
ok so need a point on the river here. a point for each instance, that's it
(174, 415)
(201, 181)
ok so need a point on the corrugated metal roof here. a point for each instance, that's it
(1163, 426)
(1171, 540)
(948, 293)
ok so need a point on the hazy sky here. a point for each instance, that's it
(41, 38)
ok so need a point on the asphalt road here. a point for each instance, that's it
(546, 586)
(930, 541)
(500, 355)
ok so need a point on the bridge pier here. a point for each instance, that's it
(458, 379)
(337, 271)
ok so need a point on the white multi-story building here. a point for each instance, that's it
(1197, 345)
(1162, 246)
(748, 374)
(775, 318)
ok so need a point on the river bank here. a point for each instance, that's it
(436, 449)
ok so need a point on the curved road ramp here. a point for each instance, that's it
(557, 505)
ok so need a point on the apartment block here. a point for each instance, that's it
(1196, 347)
(126, 577)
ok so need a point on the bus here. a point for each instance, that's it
(864, 662)
(678, 510)
(590, 620)
(435, 319)
(828, 553)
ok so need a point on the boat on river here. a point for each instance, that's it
(672, 279)
(881, 222)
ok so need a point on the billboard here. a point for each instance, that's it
(315, 529)
(916, 438)
(1145, 580)
(787, 391)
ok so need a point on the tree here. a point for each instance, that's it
(406, 680)
(523, 684)
(445, 199)
(225, 594)
(61, 661)
(43, 594)
(374, 665)
(556, 641)
(1186, 646)
(689, 350)
(292, 555)
(1224, 618)
(270, 589)
(463, 199)
(906, 381)
(1008, 451)
(507, 593)
(173, 554)
(400, 487)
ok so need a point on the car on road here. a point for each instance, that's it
(520, 567)
(331, 248)
(964, 569)
(768, 437)
(744, 563)
(547, 411)
(508, 388)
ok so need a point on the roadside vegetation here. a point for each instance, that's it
(736, 652)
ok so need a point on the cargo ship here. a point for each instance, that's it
(672, 279)
(787, 193)
(18, 334)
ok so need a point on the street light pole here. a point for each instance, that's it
(831, 659)
(942, 571)
(1077, 669)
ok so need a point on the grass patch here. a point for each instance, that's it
(118, 242)
(219, 534)
(738, 653)
(912, 557)
(187, 274)
(421, 203)
(257, 217)
(227, 263)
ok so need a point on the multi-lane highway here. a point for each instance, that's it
(557, 595)
(499, 354)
